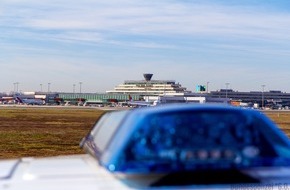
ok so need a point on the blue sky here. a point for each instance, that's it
(102, 43)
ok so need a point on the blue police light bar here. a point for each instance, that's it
(186, 137)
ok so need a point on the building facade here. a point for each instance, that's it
(148, 87)
(270, 98)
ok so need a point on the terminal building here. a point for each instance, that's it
(164, 91)
(169, 90)
(131, 90)
(272, 99)
(148, 87)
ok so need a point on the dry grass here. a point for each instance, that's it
(52, 131)
(43, 131)
(282, 119)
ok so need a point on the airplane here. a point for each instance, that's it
(7, 100)
(175, 146)
(139, 103)
(160, 100)
(142, 103)
(29, 101)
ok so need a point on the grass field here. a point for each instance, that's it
(41, 132)
(282, 119)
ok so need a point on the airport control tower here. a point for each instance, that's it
(147, 76)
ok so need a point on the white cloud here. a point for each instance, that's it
(140, 35)
(153, 18)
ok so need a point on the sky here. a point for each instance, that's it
(100, 44)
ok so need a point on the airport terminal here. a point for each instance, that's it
(148, 90)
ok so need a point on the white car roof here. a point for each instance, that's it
(83, 172)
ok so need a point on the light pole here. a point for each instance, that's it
(80, 87)
(48, 87)
(263, 86)
(40, 87)
(74, 88)
(227, 84)
(16, 87)
(207, 87)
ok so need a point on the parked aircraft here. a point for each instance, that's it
(160, 100)
(144, 103)
(7, 100)
(29, 101)
(139, 103)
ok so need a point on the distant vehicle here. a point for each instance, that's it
(29, 101)
(175, 146)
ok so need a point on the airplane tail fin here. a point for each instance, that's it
(130, 97)
(19, 100)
